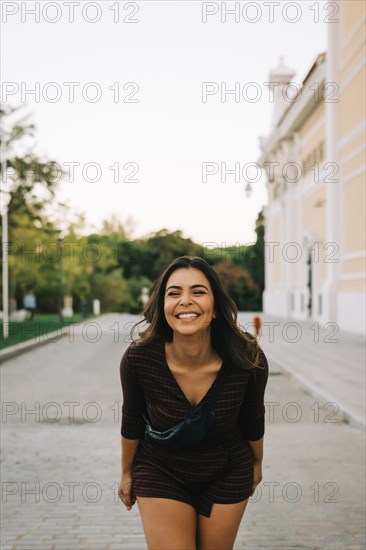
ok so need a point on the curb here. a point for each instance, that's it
(348, 417)
(18, 349)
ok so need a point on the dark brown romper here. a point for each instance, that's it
(220, 467)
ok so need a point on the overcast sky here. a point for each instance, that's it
(158, 130)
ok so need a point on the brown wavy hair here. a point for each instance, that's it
(234, 345)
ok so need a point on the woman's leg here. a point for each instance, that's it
(218, 532)
(168, 524)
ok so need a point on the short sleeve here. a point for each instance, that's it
(252, 411)
(133, 405)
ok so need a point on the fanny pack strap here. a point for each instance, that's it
(201, 410)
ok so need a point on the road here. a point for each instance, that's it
(61, 455)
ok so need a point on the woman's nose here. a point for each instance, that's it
(185, 299)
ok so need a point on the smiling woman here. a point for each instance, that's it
(192, 354)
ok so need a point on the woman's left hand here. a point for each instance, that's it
(257, 477)
(125, 491)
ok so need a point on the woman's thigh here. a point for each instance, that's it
(168, 524)
(220, 529)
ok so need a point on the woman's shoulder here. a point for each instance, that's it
(141, 352)
(258, 360)
(261, 371)
(263, 362)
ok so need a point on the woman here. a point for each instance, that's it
(193, 498)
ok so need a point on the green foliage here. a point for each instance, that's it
(112, 291)
(240, 285)
(31, 181)
(115, 269)
(252, 261)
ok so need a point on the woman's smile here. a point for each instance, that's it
(188, 297)
(188, 318)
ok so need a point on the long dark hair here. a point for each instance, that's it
(233, 345)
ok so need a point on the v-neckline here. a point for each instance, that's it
(218, 375)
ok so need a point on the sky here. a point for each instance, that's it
(134, 132)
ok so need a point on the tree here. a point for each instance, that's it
(165, 247)
(30, 184)
(255, 256)
(239, 284)
(27, 176)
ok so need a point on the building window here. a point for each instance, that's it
(312, 160)
(321, 151)
(303, 168)
(316, 155)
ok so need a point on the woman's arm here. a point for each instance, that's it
(128, 452)
(132, 424)
(257, 448)
(251, 416)
(252, 412)
(133, 405)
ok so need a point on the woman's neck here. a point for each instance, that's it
(195, 351)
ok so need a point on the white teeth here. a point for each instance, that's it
(186, 315)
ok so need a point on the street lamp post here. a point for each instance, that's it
(4, 227)
(5, 197)
(60, 276)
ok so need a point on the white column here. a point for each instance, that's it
(333, 231)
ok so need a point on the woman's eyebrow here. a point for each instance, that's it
(192, 286)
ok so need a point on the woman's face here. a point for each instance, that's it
(188, 290)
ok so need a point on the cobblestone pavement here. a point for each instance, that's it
(59, 478)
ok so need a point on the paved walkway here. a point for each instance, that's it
(59, 478)
(329, 362)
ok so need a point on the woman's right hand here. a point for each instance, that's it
(125, 491)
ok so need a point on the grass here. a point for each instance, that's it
(41, 325)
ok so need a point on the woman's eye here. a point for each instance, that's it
(176, 293)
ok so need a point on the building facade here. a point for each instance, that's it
(314, 160)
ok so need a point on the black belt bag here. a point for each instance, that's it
(190, 431)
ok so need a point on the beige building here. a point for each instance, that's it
(314, 159)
